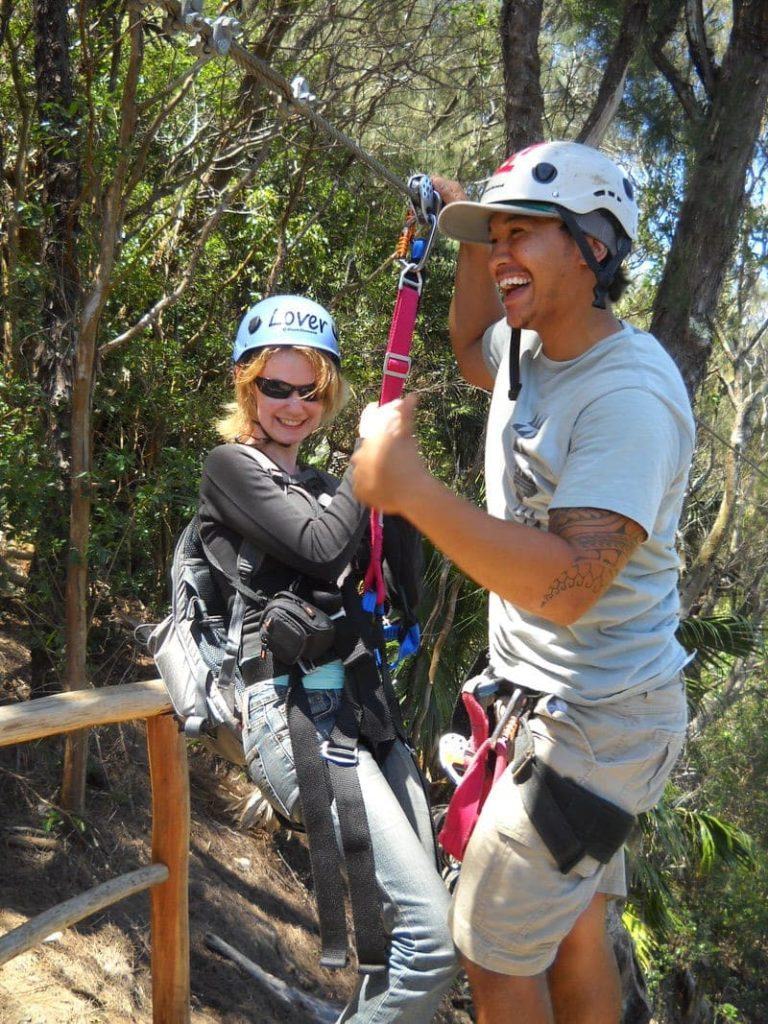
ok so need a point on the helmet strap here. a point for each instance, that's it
(273, 440)
(515, 384)
(268, 437)
(604, 272)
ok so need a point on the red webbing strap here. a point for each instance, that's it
(397, 359)
(397, 364)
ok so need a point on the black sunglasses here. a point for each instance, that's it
(273, 388)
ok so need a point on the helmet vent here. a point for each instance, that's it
(628, 189)
(254, 324)
(544, 173)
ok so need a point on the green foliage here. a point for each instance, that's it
(25, 469)
(421, 85)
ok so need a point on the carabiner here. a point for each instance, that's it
(417, 266)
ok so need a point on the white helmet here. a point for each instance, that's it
(543, 180)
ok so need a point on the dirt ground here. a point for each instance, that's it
(249, 886)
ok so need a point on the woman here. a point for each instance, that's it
(307, 528)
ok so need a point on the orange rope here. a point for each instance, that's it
(406, 237)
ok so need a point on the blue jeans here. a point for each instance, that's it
(422, 961)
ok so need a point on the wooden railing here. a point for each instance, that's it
(167, 875)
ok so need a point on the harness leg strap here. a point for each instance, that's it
(364, 894)
(315, 796)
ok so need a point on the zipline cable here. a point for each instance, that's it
(217, 38)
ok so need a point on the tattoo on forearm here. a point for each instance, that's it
(604, 541)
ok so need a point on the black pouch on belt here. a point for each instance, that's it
(295, 630)
(572, 821)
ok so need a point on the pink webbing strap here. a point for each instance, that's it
(397, 364)
(397, 359)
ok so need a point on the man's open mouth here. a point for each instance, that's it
(512, 283)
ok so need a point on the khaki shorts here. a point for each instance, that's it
(512, 906)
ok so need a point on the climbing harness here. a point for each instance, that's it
(475, 764)
(209, 657)
(571, 820)
(412, 253)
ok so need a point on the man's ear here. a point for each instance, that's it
(600, 249)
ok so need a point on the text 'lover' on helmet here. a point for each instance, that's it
(541, 180)
(290, 320)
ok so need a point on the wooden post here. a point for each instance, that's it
(170, 846)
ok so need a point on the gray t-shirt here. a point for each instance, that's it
(611, 429)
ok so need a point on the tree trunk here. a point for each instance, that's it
(52, 357)
(524, 102)
(73, 781)
(714, 197)
(61, 176)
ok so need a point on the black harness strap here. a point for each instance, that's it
(571, 821)
(330, 771)
(515, 384)
(341, 753)
(315, 797)
(367, 683)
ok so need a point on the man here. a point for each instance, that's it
(590, 436)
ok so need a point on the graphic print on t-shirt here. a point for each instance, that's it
(526, 485)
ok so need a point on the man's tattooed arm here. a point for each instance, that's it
(603, 542)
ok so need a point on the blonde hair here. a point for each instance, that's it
(241, 415)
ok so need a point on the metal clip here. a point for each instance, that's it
(178, 22)
(301, 90)
(224, 31)
(514, 709)
(430, 241)
(409, 282)
(339, 755)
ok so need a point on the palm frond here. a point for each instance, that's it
(716, 842)
(643, 938)
(675, 842)
(718, 638)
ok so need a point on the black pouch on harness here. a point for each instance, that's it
(295, 630)
(572, 821)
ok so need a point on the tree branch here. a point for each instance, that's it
(611, 90)
(680, 87)
(210, 225)
(701, 55)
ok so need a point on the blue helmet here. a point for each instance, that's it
(287, 320)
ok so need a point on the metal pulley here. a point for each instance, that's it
(425, 204)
